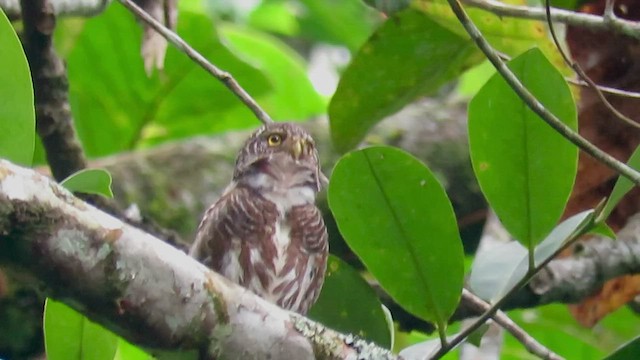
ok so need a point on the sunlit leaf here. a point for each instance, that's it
(289, 99)
(90, 181)
(17, 115)
(127, 351)
(348, 304)
(496, 271)
(555, 328)
(341, 22)
(509, 35)
(275, 16)
(604, 230)
(525, 168)
(630, 350)
(71, 336)
(397, 218)
(408, 56)
(492, 268)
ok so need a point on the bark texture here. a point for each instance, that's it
(144, 289)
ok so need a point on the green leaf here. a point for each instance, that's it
(275, 16)
(397, 218)
(601, 228)
(17, 117)
(472, 80)
(293, 96)
(508, 35)
(117, 107)
(348, 304)
(525, 168)
(341, 22)
(410, 55)
(90, 181)
(555, 328)
(622, 187)
(497, 271)
(127, 351)
(492, 268)
(476, 336)
(630, 350)
(69, 335)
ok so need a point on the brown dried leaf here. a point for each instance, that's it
(154, 45)
(614, 293)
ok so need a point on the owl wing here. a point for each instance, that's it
(308, 226)
(239, 216)
(308, 230)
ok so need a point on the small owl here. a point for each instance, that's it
(265, 232)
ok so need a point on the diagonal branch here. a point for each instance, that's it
(224, 77)
(145, 290)
(531, 344)
(594, 22)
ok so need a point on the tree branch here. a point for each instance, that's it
(594, 22)
(224, 77)
(145, 290)
(531, 344)
(54, 121)
(60, 7)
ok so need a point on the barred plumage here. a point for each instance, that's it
(265, 232)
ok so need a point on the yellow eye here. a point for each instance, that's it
(274, 139)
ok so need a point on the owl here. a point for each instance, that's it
(265, 232)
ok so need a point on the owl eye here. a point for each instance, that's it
(274, 139)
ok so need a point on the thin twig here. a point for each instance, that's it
(580, 82)
(606, 89)
(578, 69)
(534, 104)
(219, 74)
(531, 344)
(594, 22)
(495, 307)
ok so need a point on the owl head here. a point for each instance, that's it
(279, 154)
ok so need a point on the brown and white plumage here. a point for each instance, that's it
(265, 232)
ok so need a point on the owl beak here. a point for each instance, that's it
(297, 148)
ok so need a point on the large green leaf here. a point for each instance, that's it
(70, 336)
(90, 181)
(117, 106)
(408, 56)
(622, 187)
(525, 169)
(348, 304)
(17, 116)
(397, 218)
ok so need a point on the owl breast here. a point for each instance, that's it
(273, 244)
